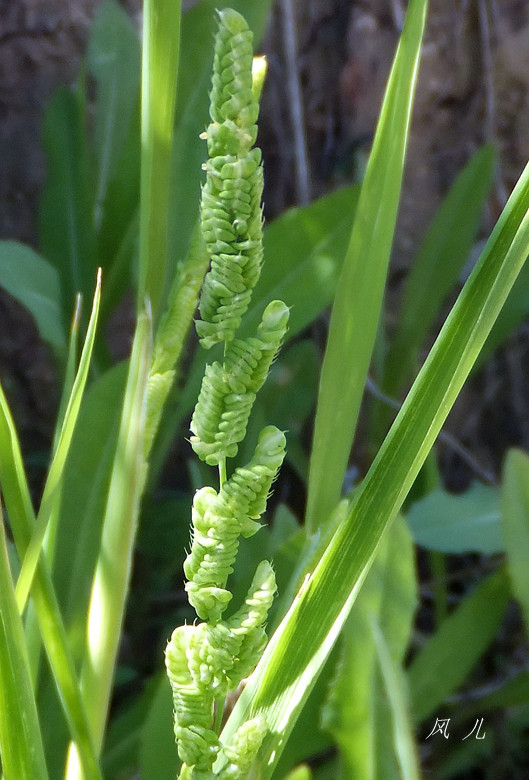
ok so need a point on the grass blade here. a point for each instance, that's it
(18, 503)
(359, 295)
(396, 689)
(442, 665)
(113, 58)
(112, 573)
(161, 42)
(299, 647)
(437, 267)
(86, 482)
(56, 472)
(356, 712)
(20, 739)
(515, 525)
(66, 227)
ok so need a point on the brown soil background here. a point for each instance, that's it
(473, 86)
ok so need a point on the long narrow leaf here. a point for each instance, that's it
(515, 525)
(66, 226)
(442, 665)
(114, 59)
(292, 660)
(112, 573)
(359, 294)
(396, 689)
(54, 480)
(22, 519)
(20, 739)
(161, 41)
(446, 247)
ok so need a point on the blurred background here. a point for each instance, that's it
(328, 64)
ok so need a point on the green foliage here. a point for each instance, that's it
(457, 524)
(515, 525)
(34, 283)
(20, 738)
(356, 712)
(207, 661)
(66, 226)
(443, 664)
(354, 320)
(437, 266)
(125, 195)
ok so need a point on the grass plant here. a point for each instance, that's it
(346, 575)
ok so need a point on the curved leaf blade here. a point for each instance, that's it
(34, 283)
(56, 473)
(21, 745)
(296, 652)
(359, 294)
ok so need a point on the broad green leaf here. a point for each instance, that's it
(66, 228)
(113, 58)
(296, 652)
(469, 522)
(194, 78)
(437, 266)
(51, 494)
(20, 739)
(356, 711)
(34, 283)
(359, 294)
(443, 664)
(515, 525)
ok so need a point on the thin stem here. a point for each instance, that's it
(293, 86)
(222, 472)
(219, 714)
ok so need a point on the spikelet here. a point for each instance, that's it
(231, 212)
(228, 390)
(207, 661)
(220, 519)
